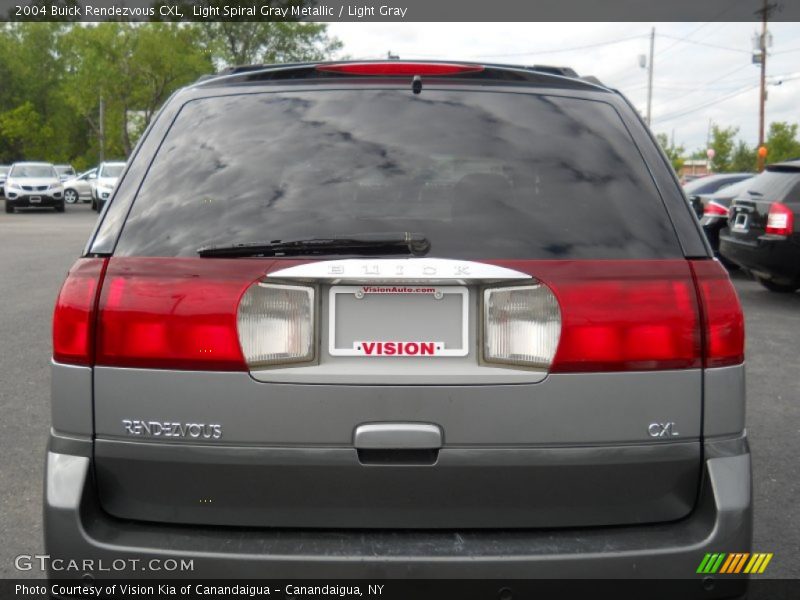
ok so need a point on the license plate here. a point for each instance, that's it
(35, 199)
(741, 221)
(398, 321)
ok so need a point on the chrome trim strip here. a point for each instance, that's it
(427, 270)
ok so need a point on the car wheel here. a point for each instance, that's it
(70, 196)
(781, 288)
(9, 207)
(94, 205)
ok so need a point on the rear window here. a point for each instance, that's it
(774, 186)
(480, 174)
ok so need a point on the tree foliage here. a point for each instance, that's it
(674, 153)
(54, 77)
(782, 142)
(723, 142)
(733, 155)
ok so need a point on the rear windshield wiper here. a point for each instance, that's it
(754, 193)
(415, 244)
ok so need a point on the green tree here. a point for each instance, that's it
(744, 158)
(782, 142)
(240, 43)
(55, 76)
(674, 153)
(723, 142)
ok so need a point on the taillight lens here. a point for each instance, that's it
(780, 220)
(398, 68)
(74, 315)
(623, 315)
(521, 325)
(712, 209)
(173, 313)
(276, 324)
(723, 322)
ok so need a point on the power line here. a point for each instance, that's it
(690, 110)
(561, 50)
(715, 19)
(718, 46)
(673, 44)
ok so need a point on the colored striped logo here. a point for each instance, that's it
(734, 563)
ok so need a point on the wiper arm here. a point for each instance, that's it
(415, 244)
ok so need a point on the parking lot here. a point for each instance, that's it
(37, 248)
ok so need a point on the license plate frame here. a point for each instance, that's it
(354, 290)
(35, 199)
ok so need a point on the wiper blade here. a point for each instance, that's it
(415, 244)
(754, 193)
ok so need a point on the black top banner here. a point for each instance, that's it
(400, 10)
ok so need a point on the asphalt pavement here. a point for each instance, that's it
(37, 249)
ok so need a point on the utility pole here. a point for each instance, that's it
(650, 75)
(762, 98)
(101, 130)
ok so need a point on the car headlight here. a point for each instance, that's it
(12, 186)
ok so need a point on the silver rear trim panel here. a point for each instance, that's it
(71, 399)
(724, 401)
(562, 409)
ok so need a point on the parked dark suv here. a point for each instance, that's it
(399, 320)
(762, 233)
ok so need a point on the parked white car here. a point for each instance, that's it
(65, 172)
(33, 185)
(108, 173)
(80, 187)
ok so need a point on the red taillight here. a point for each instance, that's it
(74, 315)
(712, 209)
(780, 220)
(723, 323)
(398, 68)
(173, 313)
(624, 315)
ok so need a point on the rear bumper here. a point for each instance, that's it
(77, 528)
(771, 257)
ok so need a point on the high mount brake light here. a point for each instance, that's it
(399, 68)
(780, 220)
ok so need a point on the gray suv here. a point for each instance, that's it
(397, 319)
